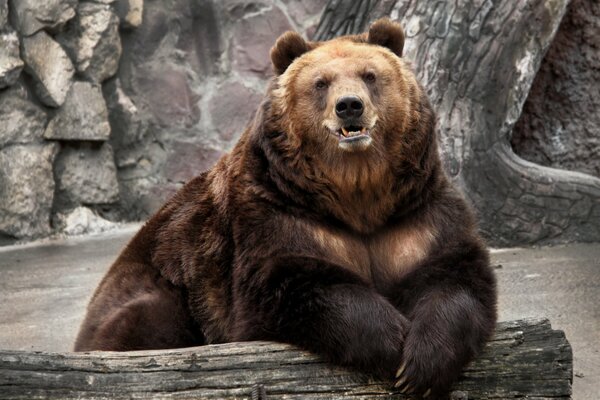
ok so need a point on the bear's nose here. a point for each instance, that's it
(349, 107)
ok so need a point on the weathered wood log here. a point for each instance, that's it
(477, 60)
(526, 358)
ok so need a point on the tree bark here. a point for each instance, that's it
(525, 358)
(477, 60)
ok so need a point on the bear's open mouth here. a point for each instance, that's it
(351, 132)
(353, 138)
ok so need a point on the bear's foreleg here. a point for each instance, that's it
(451, 303)
(323, 308)
(137, 309)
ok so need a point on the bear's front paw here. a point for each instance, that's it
(427, 370)
(408, 386)
(378, 344)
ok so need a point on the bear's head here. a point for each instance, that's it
(350, 114)
(352, 94)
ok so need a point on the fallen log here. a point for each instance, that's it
(526, 358)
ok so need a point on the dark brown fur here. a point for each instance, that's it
(369, 258)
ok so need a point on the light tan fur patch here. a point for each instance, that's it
(397, 252)
(343, 250)
(382, 257)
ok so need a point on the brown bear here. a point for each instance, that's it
(330, 225)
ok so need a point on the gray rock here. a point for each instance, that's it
(83, 115)
(83, 221)
(130, 12)
(127, 128)
(123, 114)
(303, 11)
(85, 174)
(26, 189)
(3, 15)
(253, 38)
(164, 23)
(21, 121)
(168, 94)
(202, 38)
(231, 108)
(94, 41)
(50, 67)
(10, 59)
(99, 1)
(188, 160)
(30, 16)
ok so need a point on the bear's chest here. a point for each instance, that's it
(379, 258)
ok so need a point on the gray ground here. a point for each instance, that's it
(44, 288)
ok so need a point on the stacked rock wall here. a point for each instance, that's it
(55, 155)
(114, 104)
(191, 77)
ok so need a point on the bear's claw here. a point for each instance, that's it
(407, 390)
(401, 370)
(400, 382)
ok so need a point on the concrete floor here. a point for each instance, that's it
(44, 288)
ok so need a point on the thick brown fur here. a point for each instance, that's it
(368, 257)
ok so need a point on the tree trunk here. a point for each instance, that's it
(477, 60)
(524, 359)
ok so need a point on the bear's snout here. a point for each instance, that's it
(349, 108)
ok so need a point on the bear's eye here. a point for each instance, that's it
(320, 84)
(369, 77)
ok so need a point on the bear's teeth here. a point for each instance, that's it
(347, 133)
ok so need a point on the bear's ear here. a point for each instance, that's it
(287, 48)
(387, 33)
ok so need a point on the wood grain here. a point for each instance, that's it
(525, 358)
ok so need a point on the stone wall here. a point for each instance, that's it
(55, 153)
(191, 77)
(112, 105)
